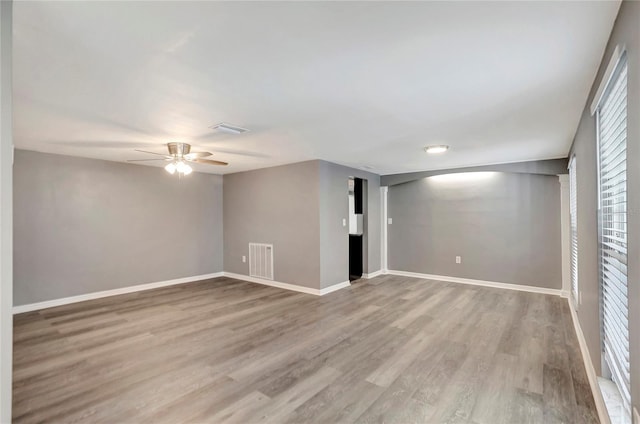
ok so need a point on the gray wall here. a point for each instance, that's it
(299, 209)
(626, 31)
(334, 237)
(85, 225)
(506, 228)
(280, 206)
(6, 209)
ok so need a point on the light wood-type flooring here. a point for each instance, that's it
(390, 349)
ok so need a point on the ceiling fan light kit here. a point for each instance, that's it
(170, 168)
(183, 168)
(179, 156)
(180, 167)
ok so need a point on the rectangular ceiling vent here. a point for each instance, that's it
(261, 260)
(228, 128)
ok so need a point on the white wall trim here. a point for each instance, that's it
(142, 287)
(565, 231)
(288, 286)
(335, 287)
(272, 283)
(483, 283)
(606, 77)
(588, 365)
(107, 293)
(384, 243)
(373, 274)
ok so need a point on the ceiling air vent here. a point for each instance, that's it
(228, 128)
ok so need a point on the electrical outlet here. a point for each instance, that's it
(390, 221)
(344, 222)
(244, 258)
(458, 259)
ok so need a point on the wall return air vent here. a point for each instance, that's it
(261, 260)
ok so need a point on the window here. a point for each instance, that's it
(573, 211)
(612, 151)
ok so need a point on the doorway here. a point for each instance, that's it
(357, 227)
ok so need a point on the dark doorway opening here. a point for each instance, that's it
(356, 227)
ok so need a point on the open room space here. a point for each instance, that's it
(320, 212)
(389, 349)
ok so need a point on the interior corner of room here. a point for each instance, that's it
(463, 246)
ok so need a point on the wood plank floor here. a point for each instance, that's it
(390, 349)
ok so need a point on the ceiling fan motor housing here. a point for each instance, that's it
(178, 149)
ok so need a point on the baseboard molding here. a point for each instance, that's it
(373, 274)
(149, 286)
(106, 293)
(272, 283)
(588, 365)
(335, 287)
(287, 286)
(494, 284)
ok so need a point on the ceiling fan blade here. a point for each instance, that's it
(195, 155)
(143, 160)
(209, 162)
(153, 153)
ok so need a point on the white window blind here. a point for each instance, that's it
(573, 210)
(612, 149)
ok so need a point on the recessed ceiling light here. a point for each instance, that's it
(440, 148)
(228, 128)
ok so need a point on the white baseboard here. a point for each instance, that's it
(97, 295)
(588, 365)
(287, 286)
(335, 287)
(483, 283)
(272, 283)
(373, 274)
(141, 287)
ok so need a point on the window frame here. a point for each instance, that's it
(573, 229)
(623, 386)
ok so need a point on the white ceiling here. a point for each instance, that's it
(354, 83)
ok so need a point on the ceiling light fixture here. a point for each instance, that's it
(183, 168)
(170, 168)
(179, 166)
(440, 148)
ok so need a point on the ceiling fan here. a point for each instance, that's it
(179, 155)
